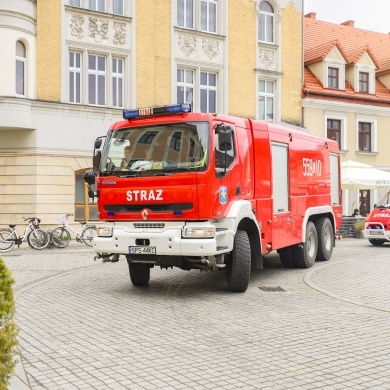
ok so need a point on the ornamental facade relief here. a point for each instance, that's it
(187, 45)
(119, 34)
(267, 59)
(76, 26)
(210, 49)
(98, 30)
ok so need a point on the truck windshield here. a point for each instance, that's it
(384, 203)
(165, 148)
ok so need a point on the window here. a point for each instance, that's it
(117, 7)
(175, 141)
(96, 80)
(185, 86)
(208, 15)
(20, 69)
(185, 13)
(266, 23)
(364, 137)
(148, 137)
(75, 3)
(208, 92)
(364, 82)
(333, 77)
(74, 77)
(117, 82)
(97, 5)
(266, 99)
(334, 130)
(85, 207)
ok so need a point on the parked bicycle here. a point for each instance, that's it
(36, 237)
(61, 236)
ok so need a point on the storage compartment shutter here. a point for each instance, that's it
(280, 177)
(334, 179)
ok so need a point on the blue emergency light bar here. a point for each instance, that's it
(152, 111)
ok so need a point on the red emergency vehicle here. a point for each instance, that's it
(377, 224)
(209, 191)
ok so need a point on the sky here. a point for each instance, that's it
(373, 15)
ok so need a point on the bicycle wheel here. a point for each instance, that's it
(89, 233)
(7, 234)
(38, 239)
(60, 237)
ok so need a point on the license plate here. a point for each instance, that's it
(142, 250)
(376, 232)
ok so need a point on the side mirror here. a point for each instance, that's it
(90, 177)
(98, 143)
(225, 138)
(96, 161)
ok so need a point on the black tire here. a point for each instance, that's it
(5, 234)
(305, 253)
(377, 242)
(239, 264)
(325, 239)
(38, 239)
(139, 274)
(286, 257)
(60, 237)
(88, 235)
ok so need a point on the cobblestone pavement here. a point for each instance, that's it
(84, 326)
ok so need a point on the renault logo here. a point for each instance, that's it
(145, 214)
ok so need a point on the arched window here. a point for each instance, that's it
(20, 81)
(85, 207)
(266, 23)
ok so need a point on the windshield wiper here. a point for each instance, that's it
(176, 169)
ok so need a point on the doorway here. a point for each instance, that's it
(364, 202)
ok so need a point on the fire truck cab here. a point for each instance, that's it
(215, 192)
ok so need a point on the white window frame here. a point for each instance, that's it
(96, 73)
(118, 4)
(374, 132)
(343, 127)
(186, 22)
(266, 95)
(117, 83)
(371, 77)
(97, 5)
(75, 71)
(208, 28)
(208, 89)
(189, 88)
(341, 68)
(266, 15)
(75, 3)
(23, 62)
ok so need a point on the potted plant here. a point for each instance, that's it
(359, 227)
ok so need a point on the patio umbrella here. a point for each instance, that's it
(358, 176)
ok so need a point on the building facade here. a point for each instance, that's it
(346, 96)
(69, 68)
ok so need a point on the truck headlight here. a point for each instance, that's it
(104, 231)
(198, 232)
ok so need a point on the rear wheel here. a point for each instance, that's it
(38, 239)
(239, 264)
(60, 237)
(139, 274)
(5, 236)
(325, 239)
(88, 235)
(377, 242)
(305, 253)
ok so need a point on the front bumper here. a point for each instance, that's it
(167, 240)
(377, 234)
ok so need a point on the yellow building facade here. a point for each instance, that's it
(72, 66)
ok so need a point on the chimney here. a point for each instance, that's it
(349, 23)
(311, 15)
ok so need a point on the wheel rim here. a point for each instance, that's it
(311, 244)
(327, 239)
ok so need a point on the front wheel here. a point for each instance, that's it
(38, 239)
(139, 274)
(88, 235)
(6, 235)
(60, 237)
(239, 264)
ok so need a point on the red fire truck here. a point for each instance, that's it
(209, 191)
(377, 224)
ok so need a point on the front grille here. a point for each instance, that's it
(154, 208)
(149, 225)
